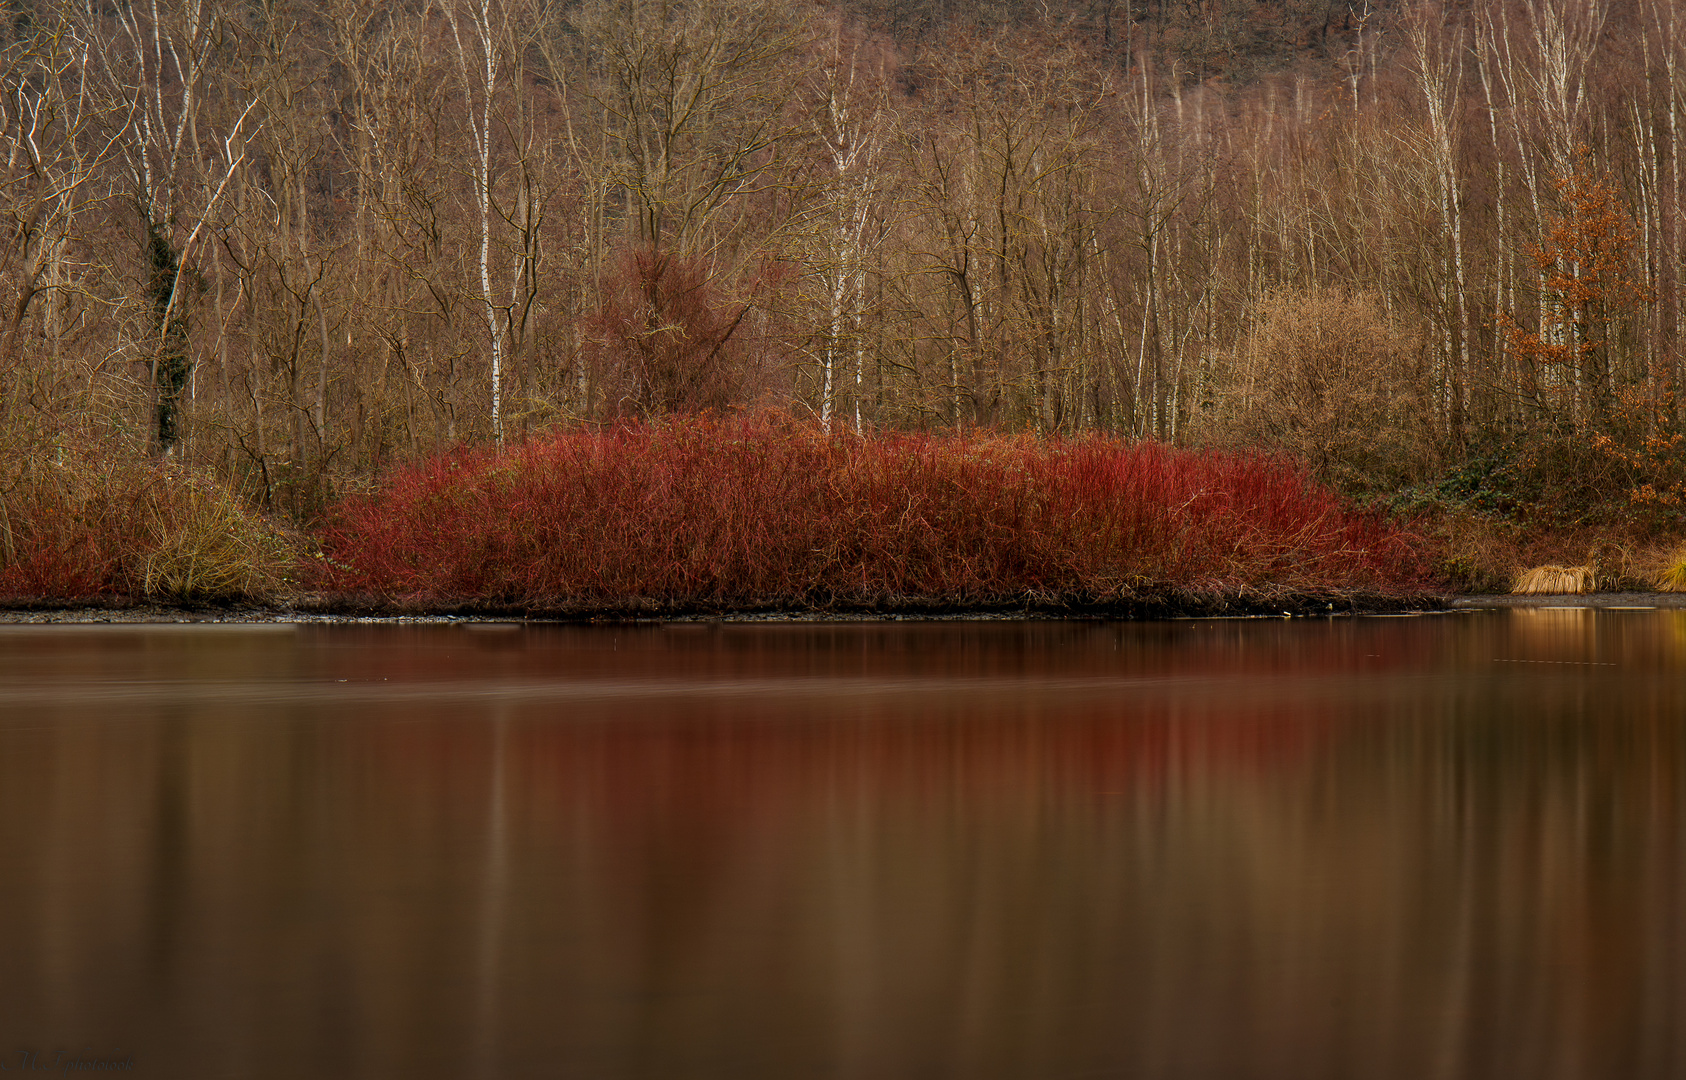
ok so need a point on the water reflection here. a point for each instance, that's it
(1442, 846)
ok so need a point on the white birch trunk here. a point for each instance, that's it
(478, 64)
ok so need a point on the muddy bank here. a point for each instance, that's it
(1606, 600)
(330, 608)
(354, 610)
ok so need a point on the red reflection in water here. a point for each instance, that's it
(1357, 848)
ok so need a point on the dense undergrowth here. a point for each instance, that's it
(759, 511)
(756, 511)
(1614, 501)
(78, 524)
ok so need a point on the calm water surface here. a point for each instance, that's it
(1446, 846)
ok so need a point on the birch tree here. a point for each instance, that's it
(1439, 65)
(849, 124)
(489, 49)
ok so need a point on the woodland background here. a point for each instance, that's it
(1435, 251)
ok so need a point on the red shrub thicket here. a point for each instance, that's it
(68, 540)
(761, 510)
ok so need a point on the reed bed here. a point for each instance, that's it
(764, 511)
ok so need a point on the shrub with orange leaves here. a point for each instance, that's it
(1585, 267)
(1648, 458)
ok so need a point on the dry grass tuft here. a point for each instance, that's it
(1555, 581)
(1673, 577)
(210, 548)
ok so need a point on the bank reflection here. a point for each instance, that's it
(1382, 848)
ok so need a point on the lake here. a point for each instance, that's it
(1440, 846)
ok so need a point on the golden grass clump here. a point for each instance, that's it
(209, 547)
(1555, 581)
(1673, 577)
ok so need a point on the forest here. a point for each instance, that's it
(277, 250)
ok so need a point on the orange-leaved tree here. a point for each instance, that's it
(1586, 284)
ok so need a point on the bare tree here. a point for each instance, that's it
(490, 46)
(1439, 65)
(692, 95)
(159, 56)
(850, 123)
(56, 137)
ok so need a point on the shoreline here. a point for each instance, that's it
(340, 611)
(1611, 601)
(331, 609)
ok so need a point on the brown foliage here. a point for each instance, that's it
(1332, 378)
(1013, 230)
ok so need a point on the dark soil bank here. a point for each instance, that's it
(1607, 600)
(339, 609)
(335, 608)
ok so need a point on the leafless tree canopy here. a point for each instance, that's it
(296, 241)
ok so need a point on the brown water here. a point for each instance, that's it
(1447, 846)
